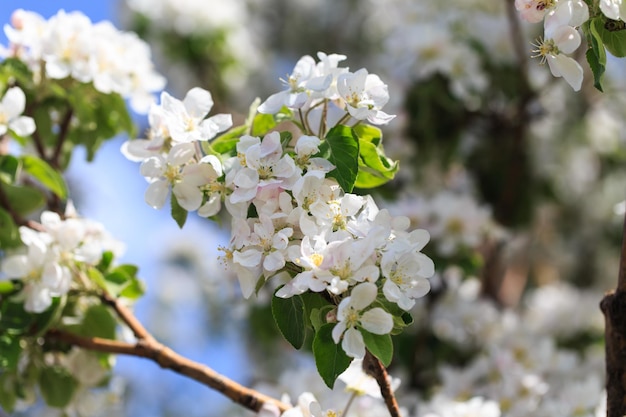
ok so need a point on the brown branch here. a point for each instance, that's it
(63, 131)
(372, 366)
(127, 317)
(166, 358)
(613, 305)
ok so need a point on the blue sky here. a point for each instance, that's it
(110, 190)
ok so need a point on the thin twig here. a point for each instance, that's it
(149, 348)
(63, 132)
(372, 366)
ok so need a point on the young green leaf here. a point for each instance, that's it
(10, 350)
(379, 345)
(341, 148)
(8, 397)
(227, 142)
(9, 232)
(289, 317)
(23, 199)
(375, 168)
(612, 33)
(596, 54)
(57, 386)
(8, 168)
(45, 174)
(98, 322)
(262, 124)
(330, 358)
(178, 213)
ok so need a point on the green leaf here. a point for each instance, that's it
(596, 54)
(227, 143)
(121, 281)
(57, 386)
(341, 148)
(134, 289)
(178, 213)
(105, 261)
(612, 33)
(9, 232)
(8, 397)
(289, 317)
(379, 345)
(10, 350)
(8, 168)
(262, 124)
(97, 322)
(375, 169)
(23, 200)
(45, 174)
(330, 358)
(13, 318)
(314, 301)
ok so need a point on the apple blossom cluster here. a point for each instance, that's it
(170, 157)
(561, 37)
(290, 219)
(50, 259)
(311, 84)
(70, 45)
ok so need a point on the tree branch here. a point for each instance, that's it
(613, 305)
(63, 131)
(166, 358)
(127, 317)
(372, 366)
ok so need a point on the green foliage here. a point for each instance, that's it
(289, 315)
(120, 281)
(9, 165)
(379, 345)
(375, 169)
(330, 358)
(24, 200)
(262, 124)
(98, 321)
(341, 148)
(7, 391)
(613, 35)
(226, 143)
(45, 174)
(179, 214)
(9, 232)
(57, 386)
(10, 350)
(99, 117)
(596, 54)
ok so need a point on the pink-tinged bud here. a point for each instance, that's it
(331, 316)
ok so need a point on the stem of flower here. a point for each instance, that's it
(350, 401)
